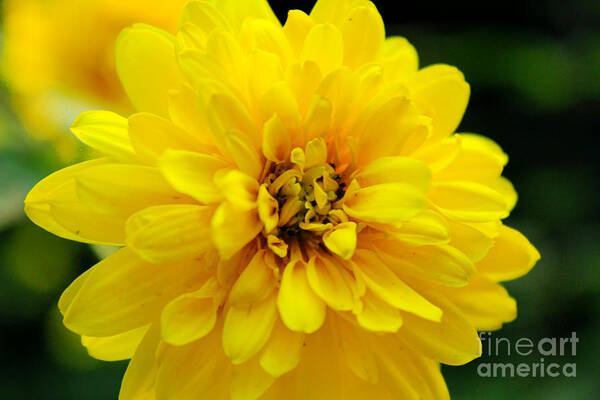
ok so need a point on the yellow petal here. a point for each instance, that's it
(232, 229)
(145, 61)
(331, 282)
(468, 201)
(318, 118)
(363, 33)
(197, 370)
(511, 256)
(247, 329)
(227, 114)
(238, 188)
(341, 240)
(254, 284)
(452, 341)
(122, 189)
(387, 129)
(485, 304)
(296, 27)
(439, 154)
(316, 153)
(104, 131)
(204, 15)
(300, 308)
(183, 110)
(141, 371)
(264, 71)
(506, 189)
(249, 381)
(276, 143)
(303, 79)
(333, 11)
(247, 157)
(279, 100)
(282, 352)
(441, 264)
(152, 135)
(399, 59)
(396, 169)
(480, 160)
(268, 209)
(406, 373)
(440, 90)
(385, 203)
(114, 348)
(266, 36)
(190, 316)
(123, 292)
(377, 315)
(427, 227)
(236, 12)
(169, 233)
(324, 46)
(54, 205)
(192, 173)
(386, 285)
(472, 242)
(356, 351)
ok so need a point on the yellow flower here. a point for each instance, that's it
(298, 218)
(58, 57)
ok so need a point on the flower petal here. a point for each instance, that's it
(341, 240)
(141, 371)
(255, 282)
(377, 315)
(396, 170)
(331, 282)
(123, 292)
(104, 131)
(399, 59)
(193, 174)
(122, 189)
(441, 92)
(249, 381)
(363, 33)
(441, 264)
(232, 229)
(114, 348)
(152, 135)
(387, 286)
(248, 328)
(511, 257)
(385, 203)
(145, 61)
(54, 205)
(190, 316)
(300, 308)
(485, 304)
(324, 46)
(468, 201)
(282, 352)
(236, 12)
(452, 341)
(170, 233)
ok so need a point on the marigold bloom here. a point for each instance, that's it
(298, 218)
(58, 57)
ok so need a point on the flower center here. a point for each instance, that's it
(304, 193)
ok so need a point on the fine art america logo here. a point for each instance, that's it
(550, 357)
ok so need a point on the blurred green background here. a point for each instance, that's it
(534, 70)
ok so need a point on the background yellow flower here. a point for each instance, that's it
(58, 58)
